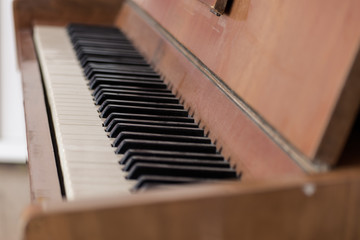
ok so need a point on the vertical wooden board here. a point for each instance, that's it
(287, 60)
(44, 179)
(342, 120)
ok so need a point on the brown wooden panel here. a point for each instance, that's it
(340, 124)
(288, 60)
(62, 12)
(41, 159)
(240, 139)
(321, 207)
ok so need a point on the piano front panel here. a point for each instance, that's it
(325, 206)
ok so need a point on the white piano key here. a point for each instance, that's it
(89, 165)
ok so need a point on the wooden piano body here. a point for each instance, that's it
(276, 85)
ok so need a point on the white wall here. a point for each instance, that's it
(12, 127)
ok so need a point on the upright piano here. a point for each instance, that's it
(229, 119)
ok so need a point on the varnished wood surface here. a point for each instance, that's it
(239, 139)
(347, 107)
(287, 60)
(44, 179)
(26, 12)
(320, 207)
(62, 12)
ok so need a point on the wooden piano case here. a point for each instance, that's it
(276, 86)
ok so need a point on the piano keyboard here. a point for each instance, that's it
(144, 136)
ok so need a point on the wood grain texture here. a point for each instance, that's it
(288, 60)
(320, 207)
(62, 12)
(339, 126)
(239, 139)
(44, 179)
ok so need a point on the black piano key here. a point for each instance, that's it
(121, 69)
(140, 104)
(85, 56)
(99, 99)
(107, 30)
(112, 116)
(131, 90)
(115, 66)
(180, 171)
(138, 90)
(120, 60)
(114, 81)
(142, 110)
(110, 38)
(96, 36)
(126, 82)
(155, 79)
(96, 55)
(158, 137)
(171, 154)
(149, 182)
(120, 72)
(104, 37)
(174, 162)
(121, 50)
(75, 27)
(78, 28)
(127, 144)
(105, 50)
(101, 44)
(115, 121)
(128, 127)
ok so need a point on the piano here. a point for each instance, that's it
(229, 119)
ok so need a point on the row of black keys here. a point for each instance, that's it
(161, 143)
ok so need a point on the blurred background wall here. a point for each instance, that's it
(12, 127)
(14, 179)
